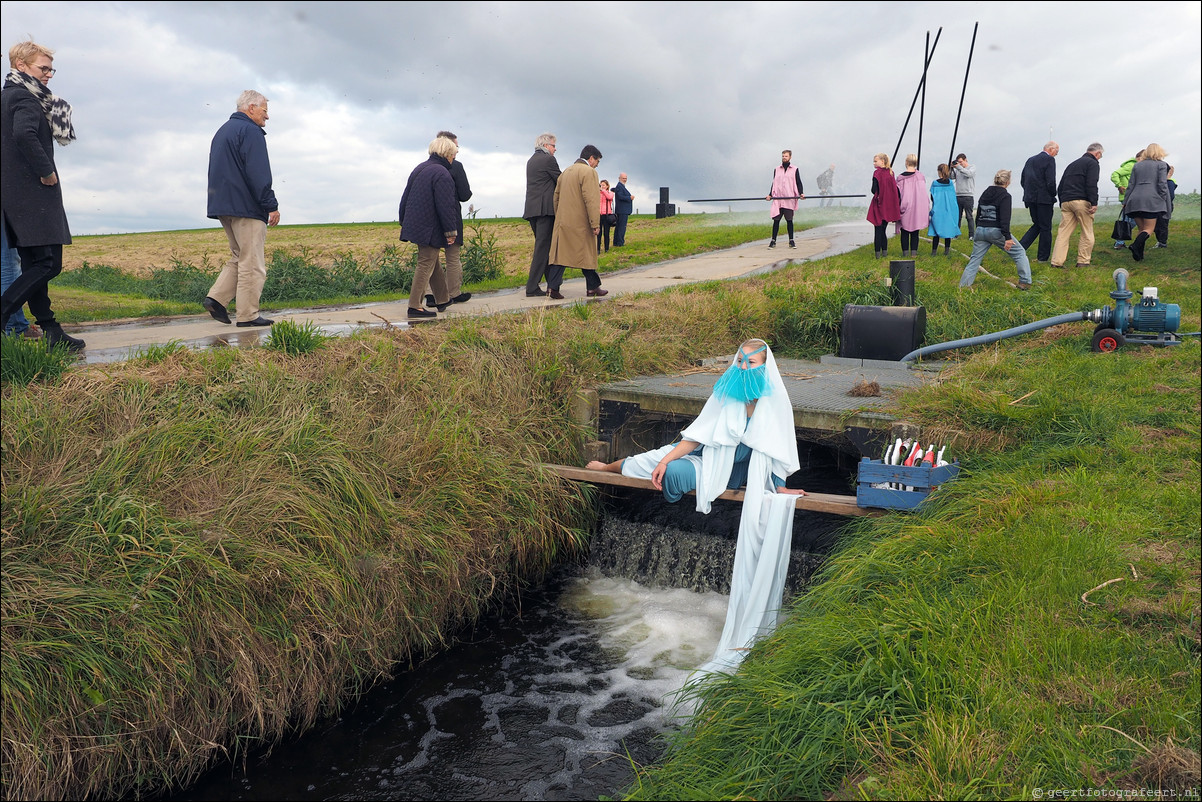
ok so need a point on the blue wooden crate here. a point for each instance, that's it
(921, 477)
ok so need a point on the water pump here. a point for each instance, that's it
(1123, 324)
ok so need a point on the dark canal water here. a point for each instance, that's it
(547, 702)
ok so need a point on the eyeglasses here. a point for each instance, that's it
(45, 70)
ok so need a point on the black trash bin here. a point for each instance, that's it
(881, 332)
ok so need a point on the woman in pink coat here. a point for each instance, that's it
(915, 205)
(608, 218)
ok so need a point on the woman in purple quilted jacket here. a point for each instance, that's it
(429, 216)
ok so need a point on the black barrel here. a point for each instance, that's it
(901, 282)
(881, 332)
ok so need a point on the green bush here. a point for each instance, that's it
(482, 258)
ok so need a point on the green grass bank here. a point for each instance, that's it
(206, 551)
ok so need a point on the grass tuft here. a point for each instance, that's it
(24, 361)
(294, 339)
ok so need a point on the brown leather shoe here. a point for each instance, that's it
(556, 294)
(597, 293)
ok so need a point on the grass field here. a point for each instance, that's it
(204, 552)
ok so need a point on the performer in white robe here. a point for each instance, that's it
(747, 420)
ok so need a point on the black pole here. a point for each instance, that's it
(971, 47)
(921, 83)
(922, 107)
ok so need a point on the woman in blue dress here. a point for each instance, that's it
(945, 212)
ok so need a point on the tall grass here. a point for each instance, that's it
(209, 551)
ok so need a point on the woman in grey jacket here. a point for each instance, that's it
(1148, 196)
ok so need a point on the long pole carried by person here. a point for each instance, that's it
(962, 92)
(761, 197)
(926, 64)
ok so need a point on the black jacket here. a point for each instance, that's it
(1080, 181)
(993, 210)
(32, 211)
(463, 191)
(1039, 179)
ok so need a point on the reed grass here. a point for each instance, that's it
(207, 551)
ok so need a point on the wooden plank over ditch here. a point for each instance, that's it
(814, 502)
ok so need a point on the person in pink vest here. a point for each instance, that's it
(786, 191)
(885, 206)
(915, 205)
(608, 218)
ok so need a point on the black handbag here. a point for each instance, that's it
(1122, 229)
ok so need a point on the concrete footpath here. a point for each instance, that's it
(111, 342)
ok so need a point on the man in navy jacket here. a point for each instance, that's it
(240, 196)
(623, 207)
(1039, 196)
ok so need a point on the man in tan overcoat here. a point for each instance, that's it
(577, 223)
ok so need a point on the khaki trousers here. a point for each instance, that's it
(454, 271)
(1072, 213)
(427, 274)
(243, 276)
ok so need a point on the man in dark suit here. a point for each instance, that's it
(31, 121)
(542, 173)
(1039, 196)
(623, 208)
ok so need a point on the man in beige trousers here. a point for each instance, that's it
(240, 196)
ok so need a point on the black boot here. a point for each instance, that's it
(56, 336)
(1137, 246)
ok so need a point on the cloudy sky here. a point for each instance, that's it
(698, 97)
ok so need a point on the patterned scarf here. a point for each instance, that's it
(57, 110)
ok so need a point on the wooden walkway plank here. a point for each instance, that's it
(814, 502)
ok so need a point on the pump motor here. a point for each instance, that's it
(1147, 321)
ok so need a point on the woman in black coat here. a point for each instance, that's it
(429, 216)
(31, 120)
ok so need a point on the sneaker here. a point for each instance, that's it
(1162, 245)
(792, 244)
(33, 332)
(772, 244)
(56, 336)
(1022, 285)
(1118, 246)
